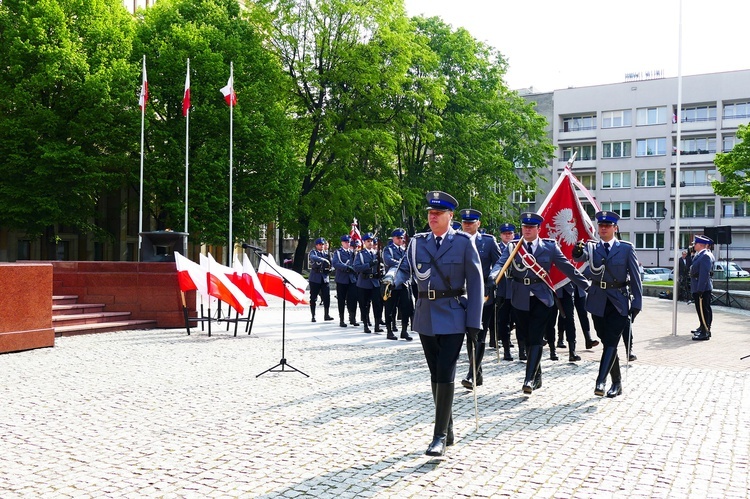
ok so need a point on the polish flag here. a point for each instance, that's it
(219, 285)
(186, 97)
(249, 282)
(354, 234)
(144, 88)
(190, 275)
(228, 92)
(268, 273)
(566, 221)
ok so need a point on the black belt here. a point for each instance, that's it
(369, 276)
(528, 280)
(607, 285)
(433, 294)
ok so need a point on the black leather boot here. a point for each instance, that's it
(449, 439)
(552, 352)
(480, 355)
(468, 381)
(404, 333)
(533, 378)
(560, 342)
(443, 413)
(605, 365)
(506, 353)
(326, 316)
(312, 312)
(522, 350)
(390, 336)
(590, 343)
(352, 320)
(572, 356)
(616, 388)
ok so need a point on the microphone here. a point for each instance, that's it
(254, 248)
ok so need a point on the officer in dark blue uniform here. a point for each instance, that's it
(346, 281)
(445, 266)
(701, 285)
(366, 264)
(532, 297)
(615, 277)
(400, 299)
(502, 303)
(320, 266)
(489, 253)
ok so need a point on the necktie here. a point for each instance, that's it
(606, 247)
(438, 240)
(530, 248)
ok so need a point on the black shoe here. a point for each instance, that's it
(467, 383)
(391, 336)
(367, 330)
(560, 344)
(405, 336)
(342, 324)
(328, 318)
(632, 356)
(591, 344)
(522, 354)
(506, 354)
(615, 390)
(437, 447)
(480, 378)
(354, 323)
(600, 388)
(378, 329)
(573, 357)
(553, 355)
(697, 331)
(313, 320)
(702, 336)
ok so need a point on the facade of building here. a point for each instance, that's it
(625, 137)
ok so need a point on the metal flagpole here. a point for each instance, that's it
(230, 248)
(677, 209)
(187, 140)
(143, 119)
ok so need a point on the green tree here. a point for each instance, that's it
(347, 60)
(734, 168)
(63, 136)
(213, 33)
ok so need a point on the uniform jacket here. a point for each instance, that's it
(503, 290)
(458, 260)
(391, 257)
(621, 265)
(547, 253)
(342, 261)
(700, 272)
(320, 265)
(366, 265)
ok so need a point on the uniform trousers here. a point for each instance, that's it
(502, 327)
(704, 299)
(532, 324)
(441, 353)
(346, 295)
(369, 297)
(323, 289)
(611, 326)
(567, 323)
(583, 316)
(400, 300)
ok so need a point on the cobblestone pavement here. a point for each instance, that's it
(162, 414)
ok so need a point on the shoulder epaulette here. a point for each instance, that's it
(461, 233)
(420, 234)
(626, 242)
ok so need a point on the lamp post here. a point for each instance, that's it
(658, 221)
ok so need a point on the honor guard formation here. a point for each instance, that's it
(456, 281)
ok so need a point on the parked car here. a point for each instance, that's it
(655, 274)
(720, 266)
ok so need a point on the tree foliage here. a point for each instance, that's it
(734, 168)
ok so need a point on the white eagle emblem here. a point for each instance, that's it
(564, 229)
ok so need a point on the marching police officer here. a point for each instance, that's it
(615, 276)
(502, 303)
(346, 281)
(320, 265)
(489, 253)
(532, 295)
(366, 264)
(701, 285)
(446, 268)
(400, 298)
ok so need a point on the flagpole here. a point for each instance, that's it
(231, 145)
(187, 141)
(140, 202)
(677, 210)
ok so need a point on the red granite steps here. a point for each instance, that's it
(71, 318)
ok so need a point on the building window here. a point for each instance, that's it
(585, 153)
(696, 178)
(646, 209)
(615, 180)
(697, 209)
(729, 141)
(524, 197)
(622, 208)
(589, 209)
(737, 110)
(698, 145)
(588, 180)
(650, 178)
(649, 240)
(698, 113)
(616, 119)
(578, 123)
(651, 116)
(619, 149)
(624, 236)
(651, 147)
(735, 209)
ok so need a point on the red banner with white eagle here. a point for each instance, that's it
(566, 221)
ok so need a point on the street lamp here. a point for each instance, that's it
(658, 220)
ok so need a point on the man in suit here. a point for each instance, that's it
(445, 266)
(489, 252)
(346, 281)
(320, 266)
(532, 295)
(701, 285)
(684, 276)
(615, 276)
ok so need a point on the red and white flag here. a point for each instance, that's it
(144, 88)
(566, 221)
(190, 275)
(354, 234)
(270, 274)
(247, 280)
(219, 285)
(228, 92)
(186, 97)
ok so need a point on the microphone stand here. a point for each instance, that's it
(282, 363)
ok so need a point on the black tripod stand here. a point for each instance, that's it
(283, 363)
(725, 296)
